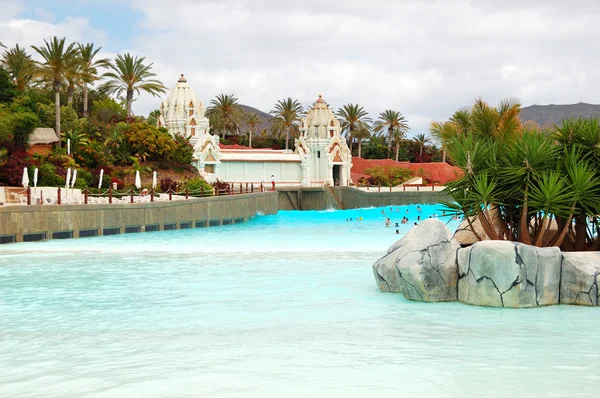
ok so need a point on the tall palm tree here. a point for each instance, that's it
(73, 76)
(19, 65)
(390, 120)
(398, 136)
(129, 75)
(89, 67)
(252, 120)
(363, 132)
(422, 140)
(353, 116)
(443, 132)
(226, 113)
(56, 55)
(286, 117)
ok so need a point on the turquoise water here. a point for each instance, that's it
(282, 306)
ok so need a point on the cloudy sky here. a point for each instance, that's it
(423, 58)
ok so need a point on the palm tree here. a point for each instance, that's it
(422, 140)
(353, 116)
(363, 132)
(398, 136)
(390, 120)
(19, 65)
(443, 132)
(56, 55)
(286, 117)
(252, 120)
(89, 67)
(130, 75)
(226, 113)
(73, 76)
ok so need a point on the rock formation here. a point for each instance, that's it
(580, 278)
(508, 274)
(421, 265)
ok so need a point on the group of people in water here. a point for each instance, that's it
(405, 220)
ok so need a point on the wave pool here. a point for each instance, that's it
(281, 306)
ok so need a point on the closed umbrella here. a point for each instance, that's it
(101, 176)
(25, 180)
(68, 178)
(138, 180)
(74, 178)
(154, 180)
(35, 177)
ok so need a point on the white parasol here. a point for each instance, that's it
(35, 177)
(101, 176)
(68, 178)
(138, 180)
(154, 180)
(25, 180)
(74, 178)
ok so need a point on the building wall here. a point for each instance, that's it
(351, 198)
(56, 220)
(257, 171)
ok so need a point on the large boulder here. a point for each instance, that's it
(508, 274)
(580, 278)
(421, 265)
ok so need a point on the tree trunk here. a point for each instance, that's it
(421, 153)
(397, 150)
(128, 102)
(250, 139)
(85, 100)
(444, 156)
(360, 147)
(287, 137)
(57, 109)
(70, 91)
(350, 139)
(389, 142)
(580, 232)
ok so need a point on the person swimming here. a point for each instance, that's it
(418, 218)
(404, 220)
(397, 225)
(397, 232)
(388, 222)
(419, 209)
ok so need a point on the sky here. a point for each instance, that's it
(424, 58)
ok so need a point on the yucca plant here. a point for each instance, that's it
(525, 185)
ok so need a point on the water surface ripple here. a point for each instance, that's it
(280, 306)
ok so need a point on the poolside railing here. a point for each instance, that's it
(112, 196)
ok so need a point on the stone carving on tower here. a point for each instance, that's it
(325, 155)
(181, 113)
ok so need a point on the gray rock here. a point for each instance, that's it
(508, 274)
(421, 265)
(580, 278)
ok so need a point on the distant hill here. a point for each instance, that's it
(548, 115)
(264, 117)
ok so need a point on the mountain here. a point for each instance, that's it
(548, 115)
(264, 117)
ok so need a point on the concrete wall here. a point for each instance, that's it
(259, 171)
(351, 198)
(19, 223)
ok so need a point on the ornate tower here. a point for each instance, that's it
(326, 157)
(181, 113)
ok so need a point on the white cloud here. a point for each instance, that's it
(424, 58)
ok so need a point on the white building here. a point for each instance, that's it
(321, 156)
(181, 113)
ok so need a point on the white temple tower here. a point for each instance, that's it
(181, 113)
(326, 156)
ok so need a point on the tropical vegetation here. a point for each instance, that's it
(523, 183)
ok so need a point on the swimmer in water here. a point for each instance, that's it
(388, 222)
(397, 232)
(397, 225)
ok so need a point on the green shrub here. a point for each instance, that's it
(197, 186)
